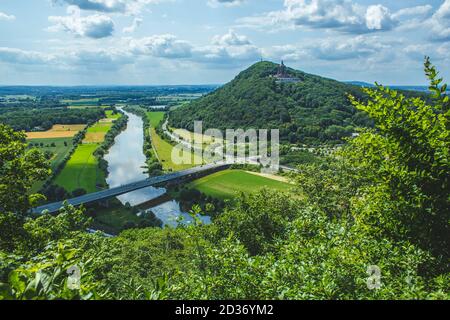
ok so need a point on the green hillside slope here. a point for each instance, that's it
(314, 110)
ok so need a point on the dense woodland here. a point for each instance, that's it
(43, 119)
(382, 200)
(314, 111)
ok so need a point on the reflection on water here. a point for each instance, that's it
(125, 161)
(170, 212)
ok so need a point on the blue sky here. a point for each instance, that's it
(145, 42)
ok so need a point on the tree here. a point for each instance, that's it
(407, 157)
(19, 168)
(78, 192)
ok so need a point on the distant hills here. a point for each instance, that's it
(311, 111)
(402, 88)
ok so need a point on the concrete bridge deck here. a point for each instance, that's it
(151, 182)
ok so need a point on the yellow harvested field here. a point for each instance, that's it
(94, 137)
(107, 120)
(57, 131)
(271, 176)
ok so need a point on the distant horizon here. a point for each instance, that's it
(176, 85)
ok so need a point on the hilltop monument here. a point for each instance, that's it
(283, 76)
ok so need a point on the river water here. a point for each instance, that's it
(125, 165)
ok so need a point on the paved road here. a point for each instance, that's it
(114, 192)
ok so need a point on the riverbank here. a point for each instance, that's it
(85, 171)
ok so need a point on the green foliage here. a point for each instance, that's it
(407, 158)
(257, 220)
(311, 257)
(46, 277)
(19, 168)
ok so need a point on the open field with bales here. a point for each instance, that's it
(57, 131)
(226, 184)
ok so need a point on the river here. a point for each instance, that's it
(126, 160)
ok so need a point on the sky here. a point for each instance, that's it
(157, 42)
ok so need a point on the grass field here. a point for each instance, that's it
(161, 147)
(60, 151)
(164, 151)
(57, 131)
(81, 171)
(97, 132)
(155, 118)
(226, 184)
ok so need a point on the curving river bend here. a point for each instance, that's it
(125, 165)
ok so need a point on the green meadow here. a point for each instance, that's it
(226, 184)
(110, 115)
(161, 147)
(60, 151)
(81, 171)
(155, 118)
(100, 127)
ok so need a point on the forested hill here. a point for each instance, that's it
(314, 110)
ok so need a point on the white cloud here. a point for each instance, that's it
(162, 46)
(6, 17)
(18, 56)
(94, 26)
(286, 52)
(231, 39)
(224, 3)
(413, 12)
(379, 17)
(110, 6)
(136, 24)
(343, 49)
(341, 15)
(440, 23)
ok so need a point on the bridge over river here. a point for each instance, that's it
(176, 177)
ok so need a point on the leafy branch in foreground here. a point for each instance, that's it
(407, 157)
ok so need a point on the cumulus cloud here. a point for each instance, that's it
(18, 56)
(287, 52)
(230, 48)
(136, 24)
(6, 17)
(344, 49)
(161, 46)
(231, 39)
(224, 3)
(93, 26)
(341, 15)
(414, 12)
(110, 6)
(440, 23)
(379, 17)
